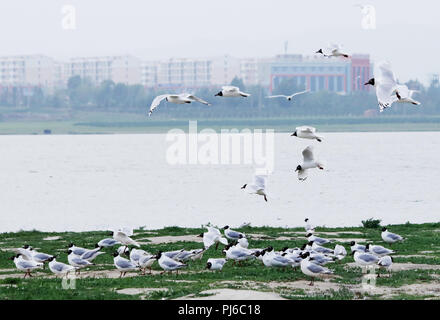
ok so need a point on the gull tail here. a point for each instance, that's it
(244, 94)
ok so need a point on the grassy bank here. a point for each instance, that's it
(418, 257)
(103, 126)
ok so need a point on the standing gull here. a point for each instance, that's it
(168, 264)
(78, 262)
(59, 268)
(24, 265)
(123, 238)
(378, 250)
(123, 265)
(213, 236)
(215, 264)
(390, 237)
(232, 234)
(311, 269)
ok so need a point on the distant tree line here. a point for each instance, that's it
(81, 94)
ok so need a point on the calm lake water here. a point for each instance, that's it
(89, 182)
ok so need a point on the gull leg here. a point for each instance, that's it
(216, 246)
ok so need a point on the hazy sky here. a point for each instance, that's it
(406, 33)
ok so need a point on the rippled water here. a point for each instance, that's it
(89, 182)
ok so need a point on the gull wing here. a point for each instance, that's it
(26, 264)
(156, 102)
(260, 181)
(308, 154)
(302, 174)
(213, 230)
(394, 236)
(386, 74)
(192, 97)
(368, 257)
(230, 88)
(316, 268)
(306, 129)
(125, 264)
(385, 95)
(301, 92)
(277, 96)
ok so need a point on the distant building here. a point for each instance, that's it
(27, 70)
(149, 74)
(184, 73)
(312, 72)
(120, 69)
(317, 73)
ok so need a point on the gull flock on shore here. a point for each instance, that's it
(311, 258)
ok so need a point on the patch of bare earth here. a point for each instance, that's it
(405, 266)
(169, 239)
(52, 238)
(234, 294)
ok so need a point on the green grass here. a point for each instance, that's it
(83, 121)
(421, 237)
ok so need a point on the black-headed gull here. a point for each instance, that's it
(310, 228)
(78, 262)
(385, 262)
(77, 250)
(311, 269)
(213, 236)
(172, 254)
(309, 162)
(390, 237)
(90, 255)
(237, 253)
(288, 98)
(168, 264)
(27, 266)
(335, 50)
(306, 132)
(231, 91)
(108, 242)
(317, 248)
(318, 240)
(365, 258)
(215, 264)
(340, 252)
(320, 258)
(39, 256)
(271, 259)
(232, 234)
(359, 247)
(258, 187)
(182, 98)
(136, 254)
(388, 90)
(197, 254)
(146, 261)
(59, 268)
(378, 250)
(123, 265)
(123, 238)
(242, 241)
